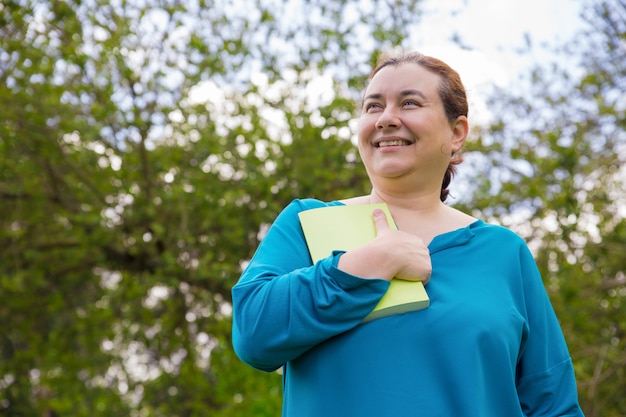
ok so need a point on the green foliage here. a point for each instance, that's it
(146, 146)
(554, 171)
(142, 157)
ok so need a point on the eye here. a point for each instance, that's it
(411, 103)
(372, 106)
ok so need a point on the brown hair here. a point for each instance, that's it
(451, 93)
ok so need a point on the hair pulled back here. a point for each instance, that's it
(451, 92)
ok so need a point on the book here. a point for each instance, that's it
(347, 227)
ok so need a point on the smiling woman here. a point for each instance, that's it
(408, 103)
(489, 344)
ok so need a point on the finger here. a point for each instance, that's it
(380, 221)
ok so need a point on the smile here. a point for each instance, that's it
(395, 142)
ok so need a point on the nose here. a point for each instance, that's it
(388, 119)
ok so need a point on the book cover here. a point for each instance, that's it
(346, 227)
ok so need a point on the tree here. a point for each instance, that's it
(142, 156)
(554, 161)
(146, 146)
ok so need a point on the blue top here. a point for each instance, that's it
(489, 345)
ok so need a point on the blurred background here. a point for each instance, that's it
(145, 147)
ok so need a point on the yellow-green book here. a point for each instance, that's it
(347, 227)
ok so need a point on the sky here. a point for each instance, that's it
(492, 30)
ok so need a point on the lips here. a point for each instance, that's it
(383, 143)
(392, 143)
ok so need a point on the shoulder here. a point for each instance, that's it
(291, 210)
(355, 201)
(301, 204)
(497, 234)
(502, 246)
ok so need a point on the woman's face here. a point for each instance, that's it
(403, 128)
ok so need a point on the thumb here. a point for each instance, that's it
(380, 221)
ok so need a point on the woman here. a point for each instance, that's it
(489, 345)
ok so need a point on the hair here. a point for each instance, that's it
(451, 92)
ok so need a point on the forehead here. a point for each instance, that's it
(407, 76)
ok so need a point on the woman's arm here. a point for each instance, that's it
(283, 305)
(546, 383)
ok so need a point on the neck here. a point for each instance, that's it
(423, 215)
(420, 202)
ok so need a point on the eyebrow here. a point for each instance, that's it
(403, 93)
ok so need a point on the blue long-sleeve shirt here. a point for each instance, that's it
(489, 345)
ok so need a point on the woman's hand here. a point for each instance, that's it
(406, 253)
(392, 254)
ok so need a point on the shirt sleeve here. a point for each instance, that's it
(546, 383)
(283, 305)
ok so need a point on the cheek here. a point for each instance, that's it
(361, 134)
(365, 128)
(360, 126)
(362, 144)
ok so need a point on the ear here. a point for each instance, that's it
(460, 130)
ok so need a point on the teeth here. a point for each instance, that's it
(392, 143)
